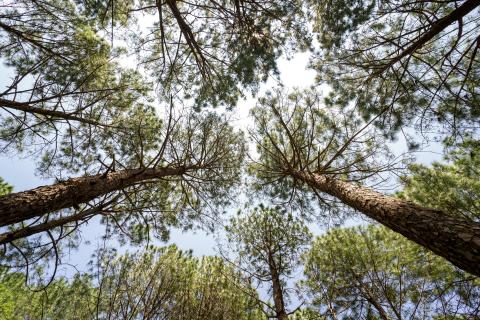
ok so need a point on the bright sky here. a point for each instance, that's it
(293, 73)
(21, 172)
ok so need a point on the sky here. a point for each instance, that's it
(20, 172)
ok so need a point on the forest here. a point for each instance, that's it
(240, 159)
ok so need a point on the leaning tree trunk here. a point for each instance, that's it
(454, 238)
(27, 231)
(20, 206)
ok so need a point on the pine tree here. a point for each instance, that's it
(267, 243)
(306, 149)
(373, 273)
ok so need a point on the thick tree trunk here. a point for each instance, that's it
(13, 235)
(454, 238)
(278, 300)
(20, 206)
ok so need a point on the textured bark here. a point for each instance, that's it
(13, 235)
(20, 206)
(437, 27)
(454, 238)
(278, 300)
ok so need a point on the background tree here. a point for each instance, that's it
(453, 187)
(61, 300)
(306, 314)
(414, 62)
(307, 149)
(166, 283)
(268, 243)
(373, 273)
(5, 188)
(157, 283)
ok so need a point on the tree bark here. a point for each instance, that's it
(278, 300)
(20, 206)
(454, 238)
(25, 232)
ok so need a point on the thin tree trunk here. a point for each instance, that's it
(369, 296)
(25, 107)
(437, 27)
(278, 300)
(189, 38)
(454, 238)
(20, 206)
(376, 305)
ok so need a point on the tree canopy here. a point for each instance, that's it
(373, 273)
(132, 113)
(267, 244)
(452, 186)
(158, 283)
(414, 62)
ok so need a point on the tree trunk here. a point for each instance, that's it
(378, 307)
(454, 238)
(278, 300)
(20, 206)
(25, 107)
(13, 235)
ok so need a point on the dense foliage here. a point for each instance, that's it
(414, 62)
(126, 108)
(5, 188)
(373, 273)
(159, 283)
(453, 186)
